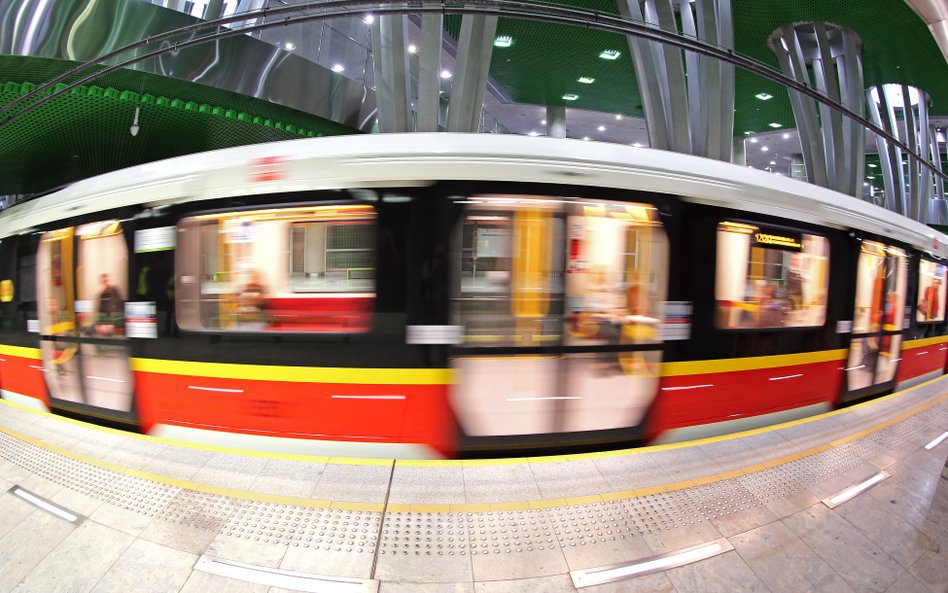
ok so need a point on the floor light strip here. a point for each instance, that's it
(286, 579)
(854, 491)
(618, 572)
(938, 440)
(44, 504)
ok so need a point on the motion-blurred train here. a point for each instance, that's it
(443, 295)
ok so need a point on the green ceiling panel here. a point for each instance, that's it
(86, 131)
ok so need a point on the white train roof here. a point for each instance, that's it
(391, 160)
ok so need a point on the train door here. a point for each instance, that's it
(874, 353)
(559, 305)
(82, 280)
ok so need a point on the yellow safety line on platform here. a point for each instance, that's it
(473, 507)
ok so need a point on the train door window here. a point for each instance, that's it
(931, 292)
(881, 278)
(569, 293)
(82, 313)
(301, 269)
(58, 345)
(101, 290)
(768, 278)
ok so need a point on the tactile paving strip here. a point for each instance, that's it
(459, 533)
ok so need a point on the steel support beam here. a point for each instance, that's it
(475, 47)
(390, 59)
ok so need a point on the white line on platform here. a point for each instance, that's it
(286, 579)
(618, 572)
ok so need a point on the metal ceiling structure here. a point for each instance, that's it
(85, 132)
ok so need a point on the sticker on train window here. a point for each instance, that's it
(770, 278)
(301, 269)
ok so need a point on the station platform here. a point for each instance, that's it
(84, 508)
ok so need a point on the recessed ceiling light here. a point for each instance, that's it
(533, 133)
(586, 80)
(542, 122)
(610, 54)
(338, 67)
(601, 128)
(446, 74)
(873, 165)
(570, 97)
(412, 48)
(637, 145)
(753, 141)
(764, 149)
(773, 162)
(289, 46)
(503, 41)
(748, 133)
(368, 19)
(585, 137)
(764, 96)
(865, 184)
(870, 176)
(618, 116)
(786, 136)
(774, 124)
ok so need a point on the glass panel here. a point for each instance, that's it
(102, 286)
(56, 314)
(305, 269)
(770, 278)
(931, 292)
(869, 279)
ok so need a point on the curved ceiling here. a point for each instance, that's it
(87, 132)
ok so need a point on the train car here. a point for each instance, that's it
(443, 295)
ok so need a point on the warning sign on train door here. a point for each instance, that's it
(676, 320)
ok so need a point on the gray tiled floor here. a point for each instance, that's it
(136, 537)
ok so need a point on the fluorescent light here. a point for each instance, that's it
(853, 491)
(542, 122)
(368, 19)
(872, 165)
(586, 80)
(570, 97)
(503, 41)
(601, 128)
(637, 145)
(938, 440)
(764, 96)
(533, 134)
(786, 136)
(618, 116)
(773, 162)
(618, 572)
(752, 140)
(870, 176)
(764, 149)
(774, 124)
(289, 46)
(412, 48)
(44, 504)
(338, 68)
(610, 54)
(586, 138)
(446, 74)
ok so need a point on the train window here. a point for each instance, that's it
(880, 288)
(521, 254)
(931, 292)
(302, 269)
(770, 278)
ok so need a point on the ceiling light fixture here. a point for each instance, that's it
(503, 41)
(753, 140)
(338, 68)
(773, 162)
(289, 46)
(618, 116)
(446, 74)
(786, 136)
(533, 134)
(586, 80)
(542, 122)
(872, 165)
(764, 149)
(368, 19)
(610, 54)
(570, 97)
(637, 145)
(586, 138)
(134, 129)
(764, 96)
(774, 124)
(412, 48)
(601, 128)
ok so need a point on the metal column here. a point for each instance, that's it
(475, 47)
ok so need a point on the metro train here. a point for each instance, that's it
(453, 295)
